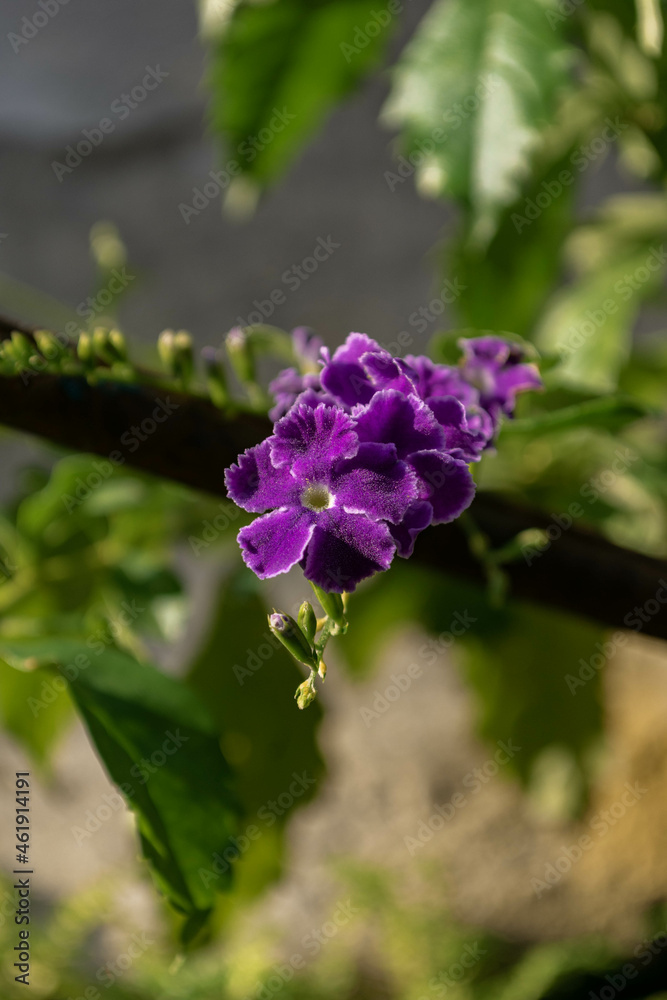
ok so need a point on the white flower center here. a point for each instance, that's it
(317, 497)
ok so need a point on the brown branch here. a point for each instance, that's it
(581, 572)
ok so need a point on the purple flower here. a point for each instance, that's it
(444, 482)
(330, 499)
(307, 346)
(432, 380)
(359, 368)
(288, 385)
(466, 432)
(498, 370)
(286, 388)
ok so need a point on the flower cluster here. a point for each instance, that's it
(367, 451)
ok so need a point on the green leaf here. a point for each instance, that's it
(505, 286)
(160, 747)
(611, 413)
(523, 662)
(526, 678)
(248, 681)
(279, 68)
(590, 322)
(32, 711)
(473, 91)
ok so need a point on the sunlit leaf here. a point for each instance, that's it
(472, 93)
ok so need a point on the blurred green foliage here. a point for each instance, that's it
(514, 110)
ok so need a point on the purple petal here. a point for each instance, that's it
(418, 516)
(344, 376)
(348, 382)
(374, 483)
(256, 485)
(446, 484)
(306, 345)
(406, 421)
(346, 548)
(516, 378)
(386, 372)
(356, 345)
(497, 368)
(489, 349)
(287, 386)
(440, 380)
(311, 440)
(316, 397)
(274, 543)
(461, 441)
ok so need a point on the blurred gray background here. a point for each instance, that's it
(203, 275)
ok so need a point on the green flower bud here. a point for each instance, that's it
(241, 355)
(306, 692)
(216, 380)
(84, 349)
(183, 356)
(290, 635)
(103, 347)
(117, 345)
(22, 348)
(166, 350)
(307, 620)
(49, 345)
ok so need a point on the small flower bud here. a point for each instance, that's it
(216, 380)
(165, 348)
(49, 345)
(307, 620)
(183, 356)
(118, 345)
(84, 348)
(103, 347)
(288, 632)
(241, 355)
(306, 692)
(22, 348)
